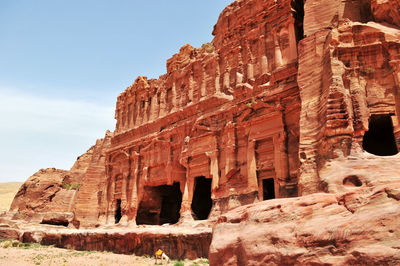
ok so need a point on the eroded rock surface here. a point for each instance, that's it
(357, 227)
(290, 98)
(386, 11)
(43, 193)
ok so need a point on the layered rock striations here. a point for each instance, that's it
(290, 98)
(51, 196)
(351, 101)
(224, 119)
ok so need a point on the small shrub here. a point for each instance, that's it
(179, 263)
(7, 244)
(208, 47)
(68, 186)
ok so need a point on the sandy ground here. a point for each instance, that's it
(7, 193)
(34, 254)
(16, 253)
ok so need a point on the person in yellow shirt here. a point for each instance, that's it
(160, 255)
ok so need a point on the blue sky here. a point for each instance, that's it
(63, 63)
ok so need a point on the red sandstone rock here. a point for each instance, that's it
(90, 201)
(359, 227)
(281, 103)
(386, 11)
(238, 92)
(48, 196)
(42, 193)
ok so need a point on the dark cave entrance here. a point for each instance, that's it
(160, 205)
(268, 189)
(379, 139)
(298, 15)
(59, 222)
(170, 204)
(202, 202)
(118, 213)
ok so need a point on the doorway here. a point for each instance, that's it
(379, 139)
(268, 189)
(160, 205)
(118, 214)
(202, 202)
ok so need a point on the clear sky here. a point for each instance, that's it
(63, 63)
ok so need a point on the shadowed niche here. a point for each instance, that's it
(118, 214)
(202, 202)
(160, 205)
(379, 139)
(298, 15)
(268, 189)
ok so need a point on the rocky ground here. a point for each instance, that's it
(16, 253)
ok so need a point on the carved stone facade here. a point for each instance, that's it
(285, 87)
(228, 112)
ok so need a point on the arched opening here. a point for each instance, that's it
(118, 214)
(268, 189)
(202, 202)
(379, 139)
(160, 205)
(298, 15)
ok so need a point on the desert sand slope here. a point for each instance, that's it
(7, 193)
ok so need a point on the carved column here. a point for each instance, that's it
(169, 167)
(105, 195)
(124, 199)
(111, 201)
(281, 160)
(187, 193)
(217, 77)
(191, 87)
(264, 58)
(214, 169)
(144, 113)
(250, 71)
(278, 52)
(252, 166)
(230, 148)
(226, 79)
(141, 110)
(133, 202)
(174, 97)
(163, 104)
(292, 40)
(136, 118)
(203, 82)
(154, 108)
(123, 124)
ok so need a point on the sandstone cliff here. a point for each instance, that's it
(50, 195)
(290, 98)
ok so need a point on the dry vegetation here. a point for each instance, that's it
(7, 193)
(16, 253)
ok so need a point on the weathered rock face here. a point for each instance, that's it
(386, 11)
(90, 203)
(222, 124)
(287, 100)
(349, 81)
(45, 194)
(357, 227)
(50, 195)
